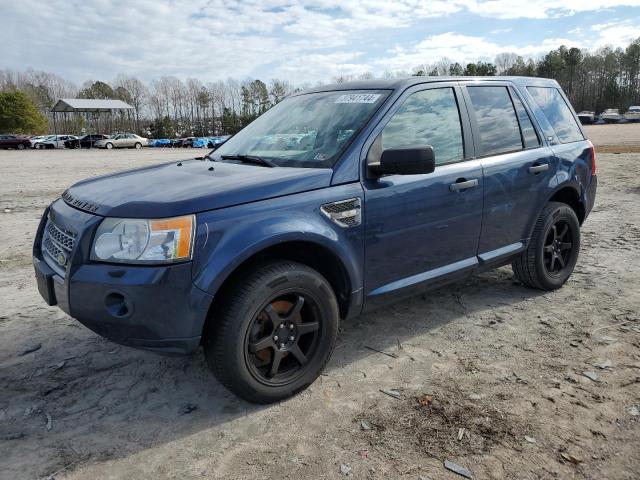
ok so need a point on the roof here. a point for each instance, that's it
(402, 83)
(89, 105)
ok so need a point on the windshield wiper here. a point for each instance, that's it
(250, 159)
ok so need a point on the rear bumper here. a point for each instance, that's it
(151, 307)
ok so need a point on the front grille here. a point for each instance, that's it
(58, 244)
(61, 237)
(346, 213)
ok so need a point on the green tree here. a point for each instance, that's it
(161, 128)
(98, 90)
(18, 114)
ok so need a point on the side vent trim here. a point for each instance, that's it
(346, 213)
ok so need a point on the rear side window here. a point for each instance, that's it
(497, 120)
(557, 112)
(529, 136)
(428, 117)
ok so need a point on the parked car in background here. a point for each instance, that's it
(587, 117)
(633, 114)
(36, 139)
(123, 140)
(611, 115)
(176, 142)
(53, 141)
(260, 249)
(88, 141)
(19, 142)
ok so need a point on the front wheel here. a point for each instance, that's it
(109, 146)
(138, 145)
(20, 146)
(553, 250)
(274, 333)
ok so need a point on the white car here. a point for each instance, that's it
(611, 115)
(633, 114)
(39, 138)
(53, 141)
(123, 140)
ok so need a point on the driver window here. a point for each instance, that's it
(428, 117)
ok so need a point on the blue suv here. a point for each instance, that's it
(335, 201)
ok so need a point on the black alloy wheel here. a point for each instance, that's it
(558, 247)
(282, 338)
(273, 331)
(552, 252)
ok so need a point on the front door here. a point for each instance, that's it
(423, 228)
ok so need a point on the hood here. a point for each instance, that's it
(189, 186)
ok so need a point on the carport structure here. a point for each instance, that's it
(93, 111)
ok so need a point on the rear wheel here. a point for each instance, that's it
(275, 332)
(553, 250)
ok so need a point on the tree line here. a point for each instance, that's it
(169, 107)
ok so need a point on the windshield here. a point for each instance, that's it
(308, 130)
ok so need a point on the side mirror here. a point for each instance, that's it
(405, 161)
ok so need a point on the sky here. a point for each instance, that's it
(302, 41)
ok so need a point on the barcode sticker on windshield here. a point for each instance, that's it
(358, 98)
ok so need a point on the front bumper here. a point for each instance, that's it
(151, 307)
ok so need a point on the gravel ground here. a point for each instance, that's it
(502, 380)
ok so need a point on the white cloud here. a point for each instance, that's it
(302, 40)
(462, 48)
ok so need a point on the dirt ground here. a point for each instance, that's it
(505, 381)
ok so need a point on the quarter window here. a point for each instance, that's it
(429, 117)
(529, 136)
(557, 112)
(497, 120)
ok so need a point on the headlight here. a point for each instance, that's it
(144, 241)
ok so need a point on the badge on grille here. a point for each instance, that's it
(61, 259)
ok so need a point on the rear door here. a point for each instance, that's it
(422, 228)
(519, 169)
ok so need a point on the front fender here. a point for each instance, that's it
(227, 237)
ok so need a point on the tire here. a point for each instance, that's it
(242, 343)
(20, 146)
(109, 146)
(138, 145)
(551, 256)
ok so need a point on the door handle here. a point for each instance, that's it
(538, 168)
(463, 184)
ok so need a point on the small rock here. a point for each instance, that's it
(608, 339)
(57, 366)
(364, 425)
(12, 436)
(30, 349)
(602, 364)
(593, 376)
(460, 433)
(7, 210)
(422, 477)
(49, 422)
(188, 408)
(634, 411)
(475, 396)
(345, 469)
(570, 458)
(530, 439)
(573, 344)
(457, 469)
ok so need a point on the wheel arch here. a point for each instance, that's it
(311, 253)
(569, 195)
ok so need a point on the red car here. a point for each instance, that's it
(14, 141)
